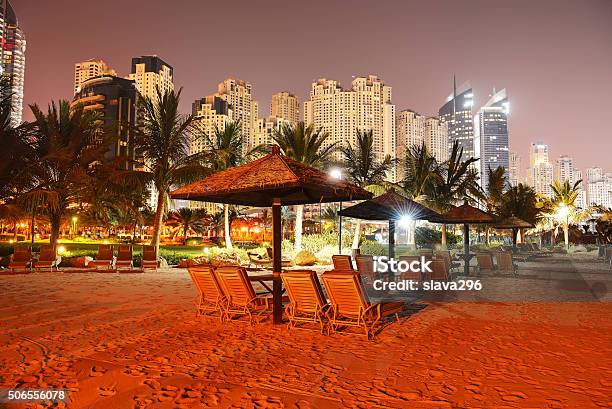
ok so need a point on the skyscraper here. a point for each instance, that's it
(366, 106)
(514, 169)
(565, 171)
(211, 113)
(150, 72)
(115, 98)
(436, 138)
(491, 136)
(457, 113)
(540, 169)
(285, 105)
(239, 96)
(89, 69)
(12, 55)
(599, 187)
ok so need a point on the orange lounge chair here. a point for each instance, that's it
(343, 263)
(506, 263)
(105, 257)
(439, 270)
(48, 258)
(365, 266)
(411, 275)
(350, 305)
(210, 294)
(21, 259)
(241, 297)
(149, 258)
(485, 261)
(446, 256)
(124, 257)
(307, 303)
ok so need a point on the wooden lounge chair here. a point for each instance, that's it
(410, 275)
(105, 258)
(21, 259)
(485, 262)
(439, 270)
(307, 304)
(124, 257)
(505, 262)
(343, 263)
(48, 258)
(350, 305)
(365, 266)
(210, 294)
(446, 256)
(149, 258)
(241, 297)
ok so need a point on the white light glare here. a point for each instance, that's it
(404, 221)
(335, 173)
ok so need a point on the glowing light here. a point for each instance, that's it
(11, 241)
(562, 212)
(61, 250)
(404, 221)
(105, 242)
(74, 219)
(335, 173)
(467, 104)
(206, 250)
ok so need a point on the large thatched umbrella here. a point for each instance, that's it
(390, 206)
(513, 223)
(271, 181)
(466, 215)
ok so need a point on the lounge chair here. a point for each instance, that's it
(365, 266)
(241, 297)
(210, 294)
(446, 256)
(124, 257)
(105, 257)
(149, 258)
(307, 304)
(506, 263)
(350, 305)
(343, 263)
(485, 262)
(21, 259)
(410, 275)
(48, 258)
(439, 270)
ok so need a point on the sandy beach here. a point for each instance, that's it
(134, 341)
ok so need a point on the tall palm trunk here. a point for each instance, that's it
(487, 236)
(159, 216)
(299, 217)
(443, 235)
(55, 228)
(185, 228)
(566, 236)
(357, 234)
(228, 239)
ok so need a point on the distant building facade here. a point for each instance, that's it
(87, 69)
(514, 169)
(491, 136)
(266, 128)
(285, 105)
(366, 106)
(149, 73)
(211, 113)
(457, 113)
(599, 187)
(540, 175)
(115, 99)
(436, 138)
(12, 55)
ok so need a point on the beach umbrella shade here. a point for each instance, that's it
(513, 223)
(466, 215)
(391, 206)
(271, 181)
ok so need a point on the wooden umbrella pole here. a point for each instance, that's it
(391, 238)
(466, 249)
(277, 291)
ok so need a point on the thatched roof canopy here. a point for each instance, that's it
(513, 222)
(390, 206)
(467, 214)
(257, 183)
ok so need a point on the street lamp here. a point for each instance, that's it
(74, 221)
(337, 174)
(562, 216)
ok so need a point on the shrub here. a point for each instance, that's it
(373, 248)
(305, 258)
(428, 237)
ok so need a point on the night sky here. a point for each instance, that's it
(553, 57)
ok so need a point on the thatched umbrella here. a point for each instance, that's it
(271, 181)
(390, 206)
(513, 223)
(466, 215)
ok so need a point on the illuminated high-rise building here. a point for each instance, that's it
(150, 73)
(12, 55)
(285, 105)
(265, 129)
(211, 113)
(89, 69)
(491, 136)
(366, 106)
(457, 113)
(599, 187)
(435, 136)
(565, 171)
(540, 175)
(514, 169)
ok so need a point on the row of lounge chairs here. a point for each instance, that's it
(227, 291)
(48, 259)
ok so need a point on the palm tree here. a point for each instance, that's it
(458, 180)
(420, 170)
(363, 168)
(67, 155)
(227, 145)
(520, 201)
(162, 139)
(563, 202)
(496, 183)
(188, 219)
(303, 144)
